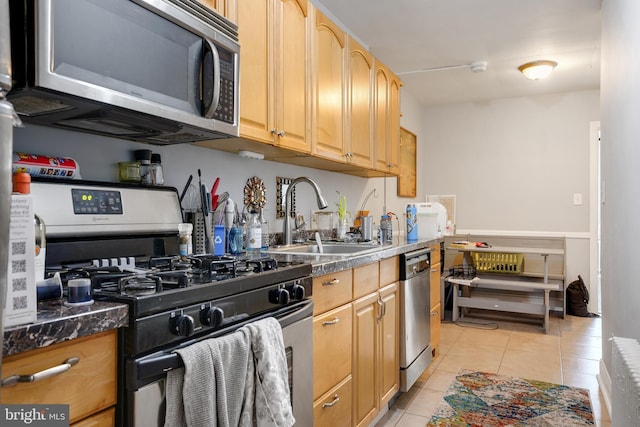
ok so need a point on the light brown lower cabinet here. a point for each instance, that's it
(101, 419)
(375, 352)
(367, 342)
(333, 409)
(88, 386)
(331, 333)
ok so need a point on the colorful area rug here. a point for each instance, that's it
(483, 400)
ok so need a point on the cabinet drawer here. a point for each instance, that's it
(435, 254)
(106, 418)
(389, 270)
(334, 408)
(332, 290)
(87, 387)
(365, 280)
(332, 346)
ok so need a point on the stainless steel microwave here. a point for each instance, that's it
(154, 71)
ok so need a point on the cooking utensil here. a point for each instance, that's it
(214, 196)
(205, 213)
(186, 187)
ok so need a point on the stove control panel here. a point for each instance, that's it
(195, 320)
(94, 202)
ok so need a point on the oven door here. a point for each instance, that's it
(145, 394)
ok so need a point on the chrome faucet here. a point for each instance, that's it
(322, 204)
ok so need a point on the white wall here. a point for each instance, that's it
(514, 164)
(620, 129)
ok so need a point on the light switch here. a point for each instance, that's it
(577, 199)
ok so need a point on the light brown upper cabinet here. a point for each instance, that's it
(226, 8)
(359, 142)
(386, 120)
(328, 58)
(274, 72)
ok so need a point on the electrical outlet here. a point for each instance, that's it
(577, 199)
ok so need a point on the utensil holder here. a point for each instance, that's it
(199, 237)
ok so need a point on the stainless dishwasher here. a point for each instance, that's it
(415, 332)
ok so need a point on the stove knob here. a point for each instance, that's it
(183, 325)
(298, 292)
(279, 296)
(212, 316)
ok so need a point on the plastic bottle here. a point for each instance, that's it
(386, 230)
(254, 235)
(412, 223)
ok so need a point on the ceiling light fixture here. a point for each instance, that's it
(476, 67)
(537, 70)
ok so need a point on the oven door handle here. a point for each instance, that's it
(155, 365)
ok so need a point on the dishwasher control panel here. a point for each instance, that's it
(414, 263)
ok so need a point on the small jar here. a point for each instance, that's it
(129, 172)
(157, 177)
(144, 158)
(185, 238)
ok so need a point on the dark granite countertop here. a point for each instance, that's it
(57, 323)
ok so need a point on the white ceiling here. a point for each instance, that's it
(410, 35)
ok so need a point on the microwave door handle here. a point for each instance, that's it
(210, 105)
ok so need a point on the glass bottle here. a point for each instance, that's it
(157, 177)
(265, 231)
(254, 235)
(144, 158)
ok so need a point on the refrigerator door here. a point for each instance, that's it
(5, 50)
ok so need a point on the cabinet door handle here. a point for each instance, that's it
(435, 313)
(331, 282)
(330, 322)
(435, 270)
(335, 400)
(38, 376)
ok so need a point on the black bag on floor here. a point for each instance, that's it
(578, 298)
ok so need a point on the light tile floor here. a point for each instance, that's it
(569, 354)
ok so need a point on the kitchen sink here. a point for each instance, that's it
(329, 249)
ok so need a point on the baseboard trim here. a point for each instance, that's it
(604, 380)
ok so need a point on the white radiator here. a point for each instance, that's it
(625, 383)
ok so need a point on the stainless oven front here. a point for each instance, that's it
(146, 375)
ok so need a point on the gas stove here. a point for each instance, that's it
(171, 281)
(124, 238)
